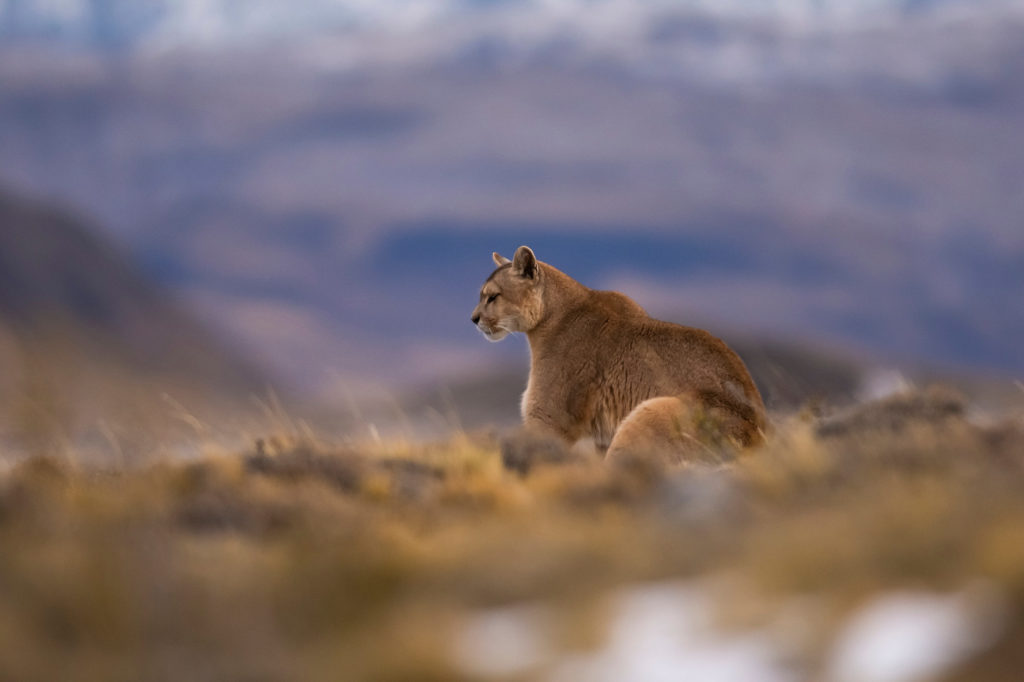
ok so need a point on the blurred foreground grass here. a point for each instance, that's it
(303, 560)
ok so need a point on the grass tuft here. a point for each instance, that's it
(299, 558)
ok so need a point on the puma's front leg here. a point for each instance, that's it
(537, 442)
(538, 426)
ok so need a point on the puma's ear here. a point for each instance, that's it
(499, 260)
(525, 263)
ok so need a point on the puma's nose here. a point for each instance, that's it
(476, 318)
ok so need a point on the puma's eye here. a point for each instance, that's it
(491, 298)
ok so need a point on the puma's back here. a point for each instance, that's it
(602, 368)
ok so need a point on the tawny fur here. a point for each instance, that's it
(604, 369)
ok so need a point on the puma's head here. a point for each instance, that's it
(510, 299)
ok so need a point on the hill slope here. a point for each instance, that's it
(57, 272)
(80, 327)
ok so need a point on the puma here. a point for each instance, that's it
(601, 367)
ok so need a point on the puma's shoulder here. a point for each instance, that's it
(617, 304)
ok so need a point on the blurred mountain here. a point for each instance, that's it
(835, 176)
(72, 305)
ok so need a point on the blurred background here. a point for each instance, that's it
(207, 199)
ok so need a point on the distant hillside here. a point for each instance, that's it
(72, 307)
(333, 205)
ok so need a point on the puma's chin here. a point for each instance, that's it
(494, 335)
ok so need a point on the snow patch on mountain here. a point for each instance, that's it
(204, 23)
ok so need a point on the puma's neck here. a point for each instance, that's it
(564, 300)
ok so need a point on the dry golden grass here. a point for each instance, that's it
(303, 560)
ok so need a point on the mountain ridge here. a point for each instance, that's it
(131, 25)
